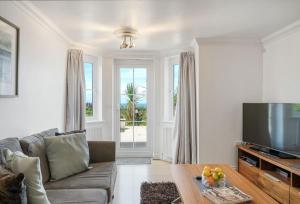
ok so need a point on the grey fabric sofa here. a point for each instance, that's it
(94, 186)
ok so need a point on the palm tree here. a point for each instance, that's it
(129, 113)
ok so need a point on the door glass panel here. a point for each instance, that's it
(140, 134)
(140, 110)
(133, 107)
(126, 108)
(126, 80)
(140, 80)
(126, 133)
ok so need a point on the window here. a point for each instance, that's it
(175, 73)
(88, 75)
(91, 76)
(171, 86)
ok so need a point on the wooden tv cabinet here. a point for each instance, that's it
(277, 177)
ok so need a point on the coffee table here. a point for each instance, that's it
(190, 193)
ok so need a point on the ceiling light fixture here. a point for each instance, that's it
(127, 34)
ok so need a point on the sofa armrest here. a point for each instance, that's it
(102, 151)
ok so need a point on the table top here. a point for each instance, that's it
(190, 193)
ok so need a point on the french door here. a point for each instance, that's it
(133, 108)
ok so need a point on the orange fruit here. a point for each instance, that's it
(210, 180)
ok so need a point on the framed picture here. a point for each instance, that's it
(9, 48)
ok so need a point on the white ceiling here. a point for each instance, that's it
(168, 24)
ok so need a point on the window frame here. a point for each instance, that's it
(95, 90)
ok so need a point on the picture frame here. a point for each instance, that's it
(9, 58)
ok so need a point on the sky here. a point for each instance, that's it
(88, 75)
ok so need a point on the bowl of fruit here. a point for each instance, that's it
(213, 177)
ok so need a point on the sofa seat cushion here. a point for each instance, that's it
(101, 175)
(86, 196)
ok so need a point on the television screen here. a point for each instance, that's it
(273, 125)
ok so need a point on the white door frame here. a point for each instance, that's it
(137, 63)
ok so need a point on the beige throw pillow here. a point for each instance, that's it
(67, 154)
(30, 167)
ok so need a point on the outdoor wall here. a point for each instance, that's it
(282, 66)
(42, 62)
(230, 73)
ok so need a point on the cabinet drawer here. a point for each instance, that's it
(275, 188)
(294, 195)
(249, 171)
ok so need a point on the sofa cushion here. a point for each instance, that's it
(12, 144)
(67, 155)
(101, 175)
(71, 132)
(34, 146)
(30, 167)
(85, 196)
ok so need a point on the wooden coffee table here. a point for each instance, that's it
(190, 193)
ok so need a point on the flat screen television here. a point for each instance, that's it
(274, 126)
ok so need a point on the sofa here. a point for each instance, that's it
(94, 186)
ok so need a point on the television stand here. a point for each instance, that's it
(272, 152)
(280, 178)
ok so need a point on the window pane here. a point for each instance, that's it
(89, 103)
(175, 84)
(140, 80)
(88, 76)
(126, 80)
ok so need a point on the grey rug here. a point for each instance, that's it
(159, 193)
(133, 161)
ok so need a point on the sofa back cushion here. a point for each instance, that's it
(12, 144)
(34, 146)
(67, 154)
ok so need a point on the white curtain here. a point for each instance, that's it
(185, 125)
(75, 96)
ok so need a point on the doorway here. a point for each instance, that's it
(133, 108)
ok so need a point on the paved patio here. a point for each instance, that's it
(140, 134)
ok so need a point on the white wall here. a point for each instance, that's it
(281, 76)
(107, 97)
(230, 73)
(42, 62)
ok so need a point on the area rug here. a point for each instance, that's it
(158, 193)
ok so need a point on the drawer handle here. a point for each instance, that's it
(271, 177)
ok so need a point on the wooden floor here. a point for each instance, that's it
(130, 177)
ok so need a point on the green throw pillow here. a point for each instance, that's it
(18, 163)
(67, 154)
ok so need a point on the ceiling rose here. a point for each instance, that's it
(127, 34)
